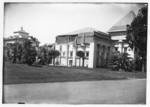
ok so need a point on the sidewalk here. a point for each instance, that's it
(131, 91)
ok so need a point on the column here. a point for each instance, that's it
(92, 56)
(67, 53)
(120, 49)
(109, 52)
(100, 53)
(74, 55)
(104, 52)
(97, 55)
(60, 48)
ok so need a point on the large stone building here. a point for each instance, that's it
(97, 46)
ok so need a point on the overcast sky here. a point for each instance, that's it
(46, 21)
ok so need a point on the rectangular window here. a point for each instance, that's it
(125, 49)
(60, 48)
(87, 46)
(63, 53)
(71, 53)
(116, 48)
(87, 54)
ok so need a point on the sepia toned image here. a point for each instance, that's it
(75, 53)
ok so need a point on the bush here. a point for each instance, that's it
(31, 56)
(138, 64)
(122, 61)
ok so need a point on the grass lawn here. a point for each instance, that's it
(22, 73)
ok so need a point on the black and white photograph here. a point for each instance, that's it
(75, 53)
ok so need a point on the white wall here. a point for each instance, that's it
(91, 62)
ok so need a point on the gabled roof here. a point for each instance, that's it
(121, 24)
(21, 32)
(84, 30)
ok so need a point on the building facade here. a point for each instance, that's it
(19, 37)
(96, 45)
(118, 34)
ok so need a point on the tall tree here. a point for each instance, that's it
(29, 52)
(137, 34)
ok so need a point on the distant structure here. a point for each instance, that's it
(19, 37)
(97, 46)
(118, 34)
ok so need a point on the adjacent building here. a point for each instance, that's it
(118, 34)
(19, 37)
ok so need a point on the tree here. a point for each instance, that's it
(137, 34)
(53, 54)
(19, 52)
(29, 51)
(44, 55)
(14, 53)
(81, 55)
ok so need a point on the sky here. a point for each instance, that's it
(47, 20)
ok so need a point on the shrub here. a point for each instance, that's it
(31, 56)
(138, 64)
(122, 61)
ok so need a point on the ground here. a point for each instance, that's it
(131, 91)
(71, 85)
(22, 73)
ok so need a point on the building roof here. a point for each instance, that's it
(21, 31)
(12, 39)
(121, 24)
(83, 30)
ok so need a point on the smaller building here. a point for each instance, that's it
(19, 37)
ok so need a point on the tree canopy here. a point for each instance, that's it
(137, 33)
(81, 55)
